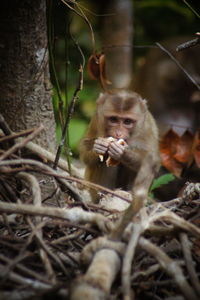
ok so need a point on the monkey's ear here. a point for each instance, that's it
(144, 101)
(101, 98)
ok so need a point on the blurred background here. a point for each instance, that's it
(127, 32)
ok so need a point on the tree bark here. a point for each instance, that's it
(117, 37)
(25, 90)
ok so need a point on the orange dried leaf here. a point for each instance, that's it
(102, 67)
(97, 69)
(168, 149)
(196, 148)
(93, 66)
(184, 147)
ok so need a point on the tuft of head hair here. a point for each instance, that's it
(122, 100)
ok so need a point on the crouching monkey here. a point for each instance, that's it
(121, 149)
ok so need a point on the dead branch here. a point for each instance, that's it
(22, 143)
(81, 13)
(132, 210)
(45, 253)
(70, 112)
(16, 135)
(49, 171)
(4, 126)
(98, 244)
(186, 245)
(97, 281)
(147, 218)
(179, 65)
(188, 44)
(179, 222)
(37, 201)
(75, 215)
(35, 284)
(47, 156)
(24, 269)
(104, 256)
(170, 266)
(127, 261)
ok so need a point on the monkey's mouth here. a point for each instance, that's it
(116, 138)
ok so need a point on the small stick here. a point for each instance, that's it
(189, 262)
(171, 267)
(34, 284)
(127, 261)
(37, 201)
(179, 65)
(188, 44)
(22, 143)
(25, 270)
(16, 135)
(4, 126)
(49, 171)
(71, 109)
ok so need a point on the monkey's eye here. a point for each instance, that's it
(128, 122)
(113, 119)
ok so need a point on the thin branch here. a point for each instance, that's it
(24, 269)
(37, 201)
(52, 61)
(34, 284)
(188, 44)
(191, 8)
(189, 262)
(50, 157)
(179, 65)
(70, 112)
(44, 251)
(171, 267)
(81, 14)
(22, 143)
(49, 171)
(16, 135)
(127, 261)
(4, 126)
(21, 255)
(75, 215)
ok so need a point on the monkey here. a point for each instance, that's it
(123, 115)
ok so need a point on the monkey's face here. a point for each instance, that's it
(119, 115)
(119, 126)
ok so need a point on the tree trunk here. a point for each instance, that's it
(117, 39)
(25, 90)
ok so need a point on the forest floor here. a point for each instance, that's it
(61, 246)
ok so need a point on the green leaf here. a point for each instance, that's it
(164, 179)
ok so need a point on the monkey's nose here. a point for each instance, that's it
(119, 135)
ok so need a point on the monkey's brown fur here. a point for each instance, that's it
(121, 114)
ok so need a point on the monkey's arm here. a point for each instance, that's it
(135, 156)
(132, 158)
(90, 149)
(129, 157)
(87, 155)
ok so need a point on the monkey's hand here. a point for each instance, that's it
(101, 146)
(116, 149)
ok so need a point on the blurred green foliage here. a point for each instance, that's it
(153, 20)
(158, 182)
